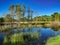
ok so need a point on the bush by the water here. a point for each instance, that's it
(56, 28)
(53, 41)
(20, 38)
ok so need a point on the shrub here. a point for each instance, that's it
(20, 38)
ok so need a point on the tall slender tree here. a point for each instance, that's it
(11, 9)
(23, 10)
(29, 17)
(18, 12)
(29, 14)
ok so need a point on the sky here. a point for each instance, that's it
(40, 7)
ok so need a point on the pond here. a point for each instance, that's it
(44, 33)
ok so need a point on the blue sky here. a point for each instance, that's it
(43, 7)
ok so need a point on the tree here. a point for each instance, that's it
(56, 16)
(18, 12)
(1, 21)
(56, 13)
(23, 11)
(29, 14)
(11, 9)
(8, 18)
(52, 17)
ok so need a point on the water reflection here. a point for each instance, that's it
(1, 38)
(44, 33)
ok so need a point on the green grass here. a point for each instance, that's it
(53, 41)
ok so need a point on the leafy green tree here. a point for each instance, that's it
(1, 21)
(8, 18)
(56, 16)
(56, 13)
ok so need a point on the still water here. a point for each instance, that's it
(44, 33)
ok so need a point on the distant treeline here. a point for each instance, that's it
(18, 12)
